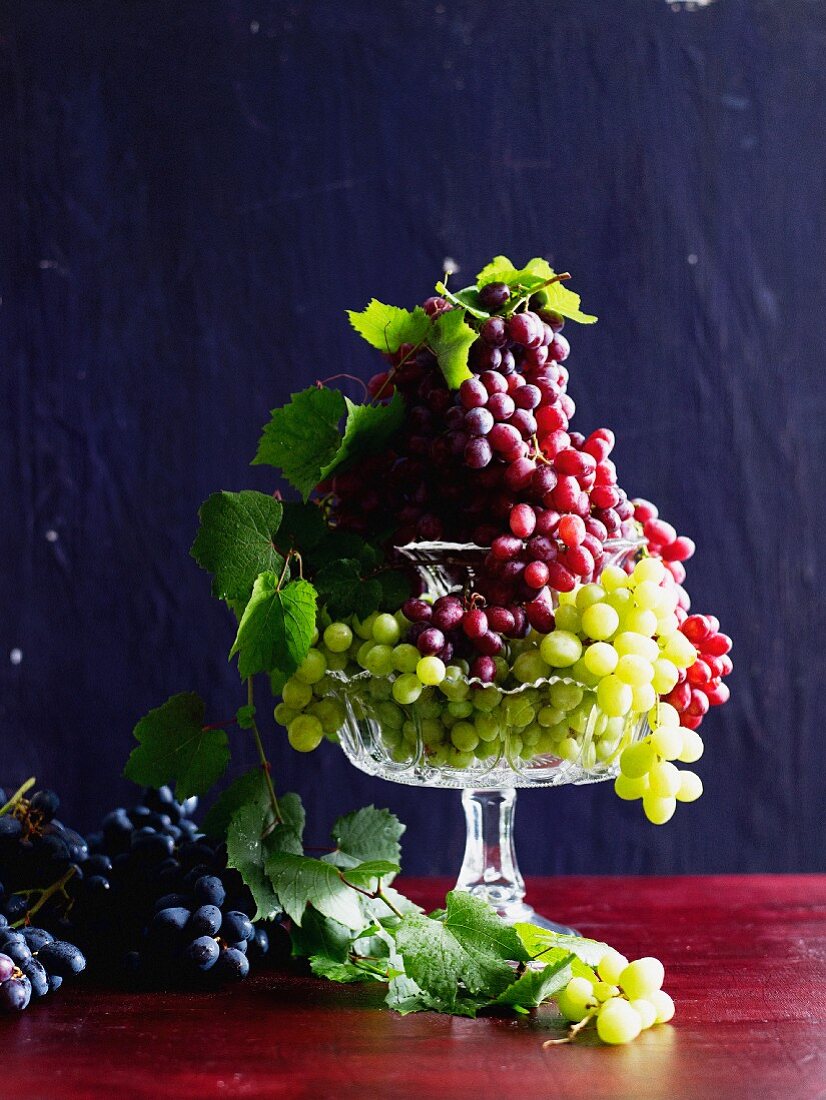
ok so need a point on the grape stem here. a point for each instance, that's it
(394, 369)
(349, 377)
(17, 796)
(262, 756)
(563, 277)
(378, 893)
(48, 892)
(573, 1031)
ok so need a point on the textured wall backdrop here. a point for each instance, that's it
(192, 194)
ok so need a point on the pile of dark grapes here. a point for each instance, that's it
(147, 899)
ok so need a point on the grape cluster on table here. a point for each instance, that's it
(148, 899)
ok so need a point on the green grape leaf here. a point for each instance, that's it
(450, 342)
(466, 299)
(472, 945)
(321, 936)
(366, 875)
(502, 270)
(343, 590)
(235, 541)
(174, 746)
(388, 327)
(405, 997)
(535, 986)
(558, 297)
(525, 280)
(302, 438)
(276, 627)
(345, 972)
(246, 853)
(344, 544)
(245, 717)
(538, 942)
(367, 430)
(303, 527)
(300, 880)
(369, 834)
(249, 787)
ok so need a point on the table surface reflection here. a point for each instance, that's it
(745, 960)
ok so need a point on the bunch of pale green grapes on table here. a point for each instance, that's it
(574, 694)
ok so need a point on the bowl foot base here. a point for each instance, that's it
(525, 914)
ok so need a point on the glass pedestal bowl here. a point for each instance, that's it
(484, 740)
(520, 753)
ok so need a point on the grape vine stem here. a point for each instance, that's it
(48, 892)
(17, 796)
(262, 756)
(573, 1031)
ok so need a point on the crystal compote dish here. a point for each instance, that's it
(483, 739)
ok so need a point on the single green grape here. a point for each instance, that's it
(690, 788)
(487, 727)
(613, 578)
(663, 779)
(580, 992)
(330, 713)
(614, 697)
(364, 627)
(405, 657)
(663, 714)
(312, 668)
(338, 637)
(600, 621)
(611, 965)
(646, 594)
(305, 733)
(560, 648)
(646, 1012)
(617, 1022)
(379, 660)
(600, 658)
(589, 594)
(571, 1010)
(658, 810)
(464, 736)
(680, 650)
(487, 698)
(636, 759)
(529, 667)
(431, 670)
(629, 789)
(629, 641)
(567, 618)
(649, 569)
(643, 698)
(667, 742)
(642, 977)
(407, 688)
(284, 714)
(639, 620)
(565, 697)
(666, 675)
(663, 1005)
(634, 670)
(386, 630)
(692, 747)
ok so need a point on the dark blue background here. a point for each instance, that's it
(192, 194)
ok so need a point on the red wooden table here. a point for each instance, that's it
(745, 960)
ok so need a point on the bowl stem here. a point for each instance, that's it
(490, 869)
